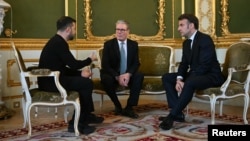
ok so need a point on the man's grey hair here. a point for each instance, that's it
(122, 22)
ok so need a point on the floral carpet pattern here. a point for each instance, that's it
(119, 128)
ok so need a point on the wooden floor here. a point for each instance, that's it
(44, 116)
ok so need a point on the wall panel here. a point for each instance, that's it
(33, 18)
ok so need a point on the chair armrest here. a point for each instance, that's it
(235, 69)
(40, 71)
(243, 67)
(34, 66)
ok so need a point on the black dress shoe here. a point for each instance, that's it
(161, 118)
(167, 123)
(82, 128)
(129, 113)
(179, 118)
(118, 111)
(92, 118)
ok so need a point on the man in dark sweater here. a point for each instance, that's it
(56, 56)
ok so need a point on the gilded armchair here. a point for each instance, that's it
(236, 68)
(35, 97)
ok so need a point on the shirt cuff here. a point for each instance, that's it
(179, 77)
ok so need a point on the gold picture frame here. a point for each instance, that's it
(160, 21)
(225, 21)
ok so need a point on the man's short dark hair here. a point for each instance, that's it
(64, 22)
(191, 18)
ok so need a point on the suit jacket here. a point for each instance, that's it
(111, 57)
(201, 59)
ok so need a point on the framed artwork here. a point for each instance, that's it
(154, 14)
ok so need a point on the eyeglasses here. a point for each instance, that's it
(122, 30)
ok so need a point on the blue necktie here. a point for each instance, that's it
(123, 63)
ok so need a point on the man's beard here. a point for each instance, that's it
(71, 37)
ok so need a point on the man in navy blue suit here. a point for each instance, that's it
(111, 73)
(198, 69)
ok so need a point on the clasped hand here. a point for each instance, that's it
(179, 85)
(86, 72)
(123, 79)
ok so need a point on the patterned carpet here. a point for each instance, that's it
(118, 128)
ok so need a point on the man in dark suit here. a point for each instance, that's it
(112, 74)
(56, 56)
(198, 69)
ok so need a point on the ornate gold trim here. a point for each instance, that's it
(11, 82)
(225, 20)
(5, 98)
(88, 24)
(66, 3)
(205, 12)
(82, 44)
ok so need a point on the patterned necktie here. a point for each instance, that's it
(123, 63)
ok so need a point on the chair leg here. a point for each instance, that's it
(56, 111)
(36, 111)
(66, 113)
(29, 122)
(246, 100)
(212, 104)
(24, 105)
(77, 115)
(221, 107)
(102, 99)
(187, 110)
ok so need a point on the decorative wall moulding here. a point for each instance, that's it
(226, 20)
(205, 11)
(89, 22)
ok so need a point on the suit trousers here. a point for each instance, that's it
(111, 84)
(178, 102)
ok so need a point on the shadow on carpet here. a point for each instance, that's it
(119, 128)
